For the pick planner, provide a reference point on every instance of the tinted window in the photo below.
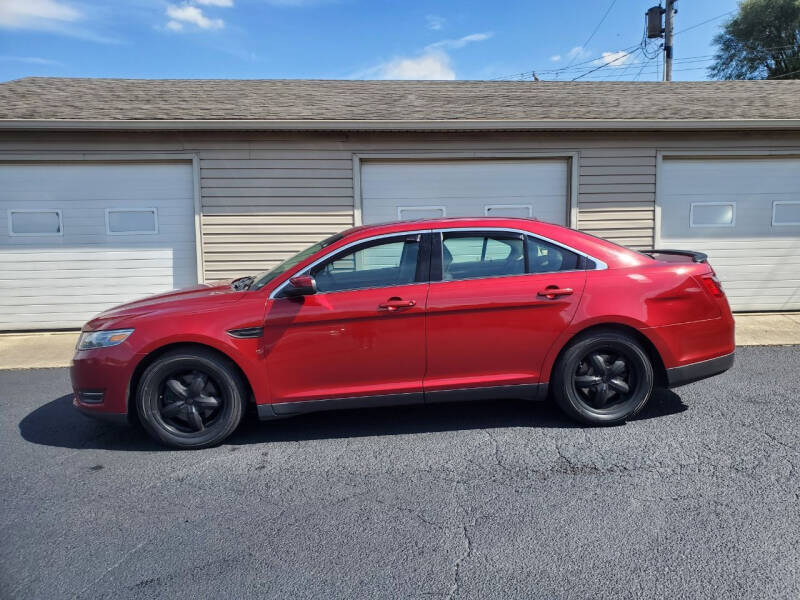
(482, 255)
(383, 263)
(544, 257)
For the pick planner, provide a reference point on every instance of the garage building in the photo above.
(115, 189)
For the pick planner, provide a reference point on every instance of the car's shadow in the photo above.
(57, 423)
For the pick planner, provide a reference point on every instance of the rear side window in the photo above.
(382, 263)
(544, 257)
(471, 256)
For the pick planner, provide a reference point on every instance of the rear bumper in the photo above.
(682, 375)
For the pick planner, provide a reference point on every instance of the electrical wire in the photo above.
(730, 12)
(602, 20)
(607, 64)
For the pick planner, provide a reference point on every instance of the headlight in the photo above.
(102, 339)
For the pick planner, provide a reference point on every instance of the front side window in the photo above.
(544, 257)
(379, 263)
(474, 255)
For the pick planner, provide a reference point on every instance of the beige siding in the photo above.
(265, 196)
(616, 198)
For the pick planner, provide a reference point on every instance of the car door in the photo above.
(496, 304)
(362, 335)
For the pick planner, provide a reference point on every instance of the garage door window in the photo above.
(508, 210)
(35, 222)
(131, 221)
(407, 213)
(786, 212)
(712, 214)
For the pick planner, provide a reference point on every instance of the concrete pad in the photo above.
(767, 329)
(37, 350)
(55, 349)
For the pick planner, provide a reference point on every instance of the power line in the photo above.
(785, 74)
(609, 63)
(730, 12)
(586, 43)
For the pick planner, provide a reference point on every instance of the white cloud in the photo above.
(462, 41)
(435, 22)
(577, 52)
(31, 60)
(432, 63)
(614, 59)
(36, 14)
(181, 15)
(555, 57)
(225, 3)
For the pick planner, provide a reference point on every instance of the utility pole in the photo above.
(656, 30)
(669, 14)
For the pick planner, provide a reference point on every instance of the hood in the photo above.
(195, 299)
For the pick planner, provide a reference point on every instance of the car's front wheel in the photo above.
(191, 398)
(603, 378)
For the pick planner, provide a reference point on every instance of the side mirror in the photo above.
(302, 285)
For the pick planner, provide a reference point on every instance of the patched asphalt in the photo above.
(699, 497)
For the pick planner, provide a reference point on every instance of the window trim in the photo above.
(12, 233)
(528, 206)
(599, 264)
(789, 223)
(474, 232)
(135, 209)
(338, 252)
(402, 208)
(693, 225)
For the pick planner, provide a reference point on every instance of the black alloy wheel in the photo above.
(603, 378)
(191, 398)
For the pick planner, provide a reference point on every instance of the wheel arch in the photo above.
(659, 370)
(152, 356)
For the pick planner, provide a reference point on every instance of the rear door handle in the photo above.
(392, 304)
(551, 292)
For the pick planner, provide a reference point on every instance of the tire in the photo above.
(591, 376)
(191, 398)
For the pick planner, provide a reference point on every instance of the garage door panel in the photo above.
(464, 188)
(757, 261)
(63, 280)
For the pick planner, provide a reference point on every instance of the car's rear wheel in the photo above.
(603, 378)
(191, 398)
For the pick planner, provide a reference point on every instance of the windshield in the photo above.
(264, 278)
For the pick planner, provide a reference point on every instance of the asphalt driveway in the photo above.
(699, 497)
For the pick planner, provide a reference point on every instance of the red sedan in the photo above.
(411, 312)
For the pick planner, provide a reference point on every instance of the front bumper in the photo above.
(100, 380)
(682, 375)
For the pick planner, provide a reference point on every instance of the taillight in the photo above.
(713, 285)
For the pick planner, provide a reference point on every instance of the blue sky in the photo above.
(367, 39)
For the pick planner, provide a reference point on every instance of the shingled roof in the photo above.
(316, 104)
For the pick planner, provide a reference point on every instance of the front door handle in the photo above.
(392, 304)
(553, 291)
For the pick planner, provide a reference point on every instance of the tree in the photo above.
(761, 42)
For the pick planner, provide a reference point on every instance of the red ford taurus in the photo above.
(412, 312)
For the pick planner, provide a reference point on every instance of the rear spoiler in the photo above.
(697, 257)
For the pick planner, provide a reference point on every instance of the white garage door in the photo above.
(429, 189)
(745, 214)
(76, 239)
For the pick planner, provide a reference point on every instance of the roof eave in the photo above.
(394, 125)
